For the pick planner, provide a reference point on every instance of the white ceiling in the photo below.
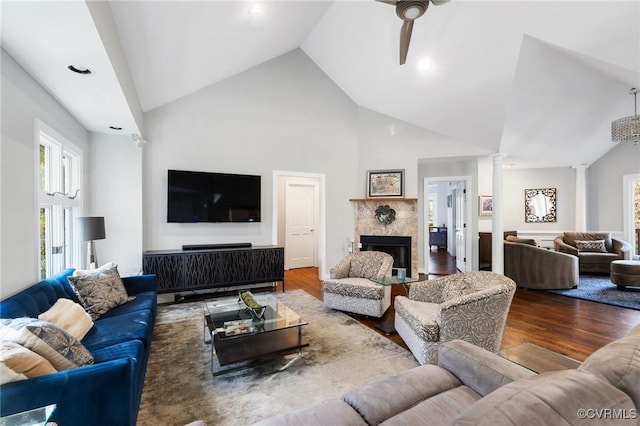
(540, 81)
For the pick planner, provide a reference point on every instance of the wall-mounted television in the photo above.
(212, 197)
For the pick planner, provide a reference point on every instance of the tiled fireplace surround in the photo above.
(405, 224)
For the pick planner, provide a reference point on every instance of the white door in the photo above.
(460, 226)
(301, 206)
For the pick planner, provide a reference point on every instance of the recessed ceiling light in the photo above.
(115, 128)
(426, 65)
(79, 70)
(256, 9)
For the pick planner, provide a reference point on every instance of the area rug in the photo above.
(599, 288)
(179, 387)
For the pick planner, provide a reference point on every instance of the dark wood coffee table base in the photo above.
(537, 358)
(256, 346)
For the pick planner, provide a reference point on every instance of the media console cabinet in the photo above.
(199, 269)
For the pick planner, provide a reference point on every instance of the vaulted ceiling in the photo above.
(540, 81)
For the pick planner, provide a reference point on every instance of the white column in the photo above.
(581, 198)
(497, 222)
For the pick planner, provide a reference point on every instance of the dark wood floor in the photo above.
(562, 324)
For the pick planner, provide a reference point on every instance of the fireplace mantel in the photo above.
(406, 223)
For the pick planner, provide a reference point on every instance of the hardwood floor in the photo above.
(572, 327)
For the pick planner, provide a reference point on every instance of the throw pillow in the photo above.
(69, 316)
(7, 375)
(514, 239)
(595, 246)
(54, 344)
(99, 290)
(10, 326)
(19, 363)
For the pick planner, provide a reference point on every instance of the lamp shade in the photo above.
(91, 228)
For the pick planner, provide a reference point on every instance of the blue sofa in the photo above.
(107, 392)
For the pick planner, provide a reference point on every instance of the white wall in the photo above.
(388, 143)
(24, 101)
(515, 181)
(284, 114)
(116, 194)
(443, 168)
(604, 183)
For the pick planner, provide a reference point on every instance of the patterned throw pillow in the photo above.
(595, 246)
(20, 363)
(54, 344)
(99, 290)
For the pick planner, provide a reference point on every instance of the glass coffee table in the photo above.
(395, 281)
(236, 335)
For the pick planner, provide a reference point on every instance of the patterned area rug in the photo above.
(179, 387)
(598, 288)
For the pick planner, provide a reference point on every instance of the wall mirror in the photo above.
(540, 205)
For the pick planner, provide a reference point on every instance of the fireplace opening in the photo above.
(398, 247)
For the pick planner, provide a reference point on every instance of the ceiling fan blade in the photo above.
(405, 39)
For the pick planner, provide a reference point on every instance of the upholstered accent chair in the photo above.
(470, 306)
(538, 268)
(350, 289)
(595, 250)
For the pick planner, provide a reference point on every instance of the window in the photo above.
(59, 172)
(432, 209)
(636, 208)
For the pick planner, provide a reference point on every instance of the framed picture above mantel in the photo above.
(385, 183)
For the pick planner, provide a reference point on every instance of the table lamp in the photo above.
(91, 228)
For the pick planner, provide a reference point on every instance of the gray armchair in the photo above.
(538, 268)
(593, 259)
(350, 289)
(470, 306)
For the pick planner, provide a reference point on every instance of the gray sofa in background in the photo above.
(538, 268)
(593, 261)
(472, 386)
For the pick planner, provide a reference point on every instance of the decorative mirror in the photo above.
(540, 205)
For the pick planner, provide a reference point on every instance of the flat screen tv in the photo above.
(212, 197)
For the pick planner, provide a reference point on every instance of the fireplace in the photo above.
(398, 247)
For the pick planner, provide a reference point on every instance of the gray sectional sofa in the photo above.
(472, 386)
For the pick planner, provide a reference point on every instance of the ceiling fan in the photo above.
(409, 11)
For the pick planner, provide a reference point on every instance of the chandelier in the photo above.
(627, 129)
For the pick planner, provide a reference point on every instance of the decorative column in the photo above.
(497, 222)
(581, 198)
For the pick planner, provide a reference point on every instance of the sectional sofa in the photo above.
(473, 386)
(108, 392)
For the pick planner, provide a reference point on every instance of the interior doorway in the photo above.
(299, 218)
(301, 212)
(446, 206)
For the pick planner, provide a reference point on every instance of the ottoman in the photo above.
(625, 273)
